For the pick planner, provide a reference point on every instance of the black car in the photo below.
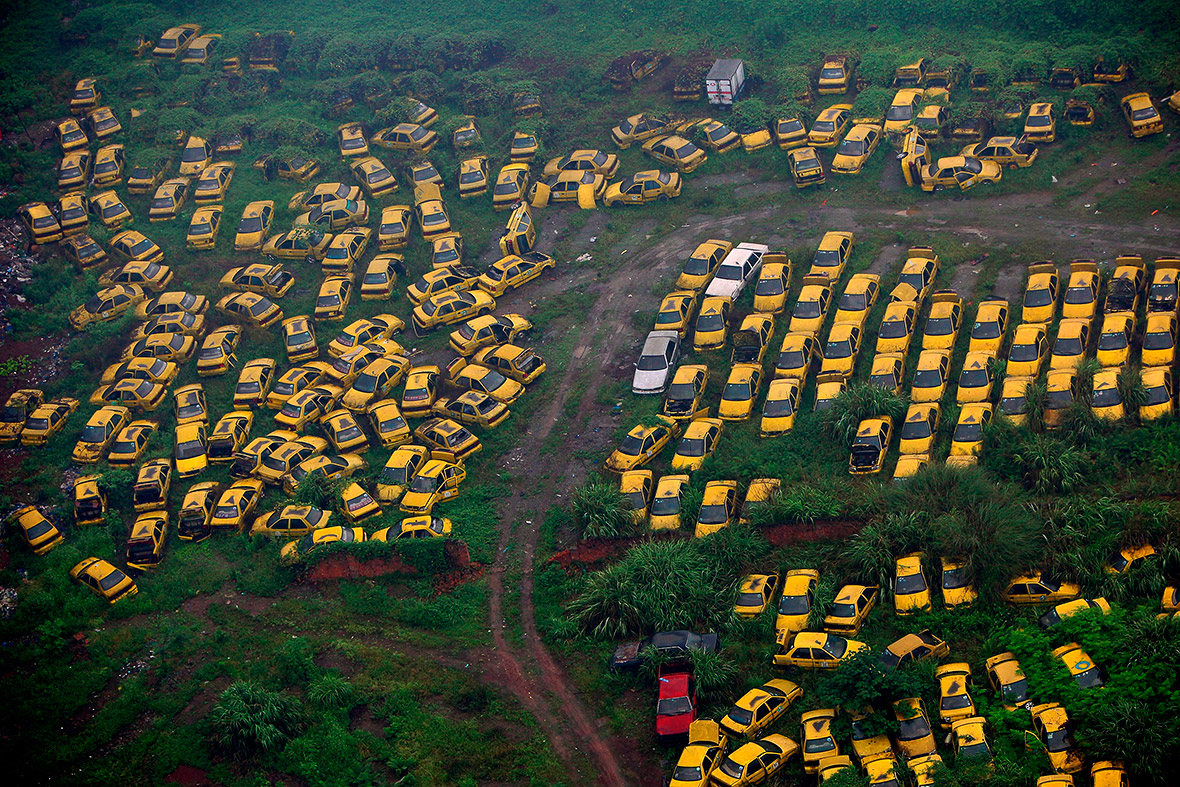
(676, 644)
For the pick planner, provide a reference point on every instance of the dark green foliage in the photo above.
(667, 585)
(601, 511)
(861, 682)
(857, 402)
(872, 102)
(1048, 465)
(796, 504)
(248, 720)
(750, 115)
(877, 66)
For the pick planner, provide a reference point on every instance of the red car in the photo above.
(677, 705)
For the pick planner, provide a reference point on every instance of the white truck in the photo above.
(725, 80)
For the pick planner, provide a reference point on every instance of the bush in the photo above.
(878, 66)
(602, 511)
(750, 115)
(872, 102)
(248, 720)
(798, 504)
(858, 402)
(1048, 465)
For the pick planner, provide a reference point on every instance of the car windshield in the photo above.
(666, 506)
(954, 578)
(832, 73)
(893, 329)
(955, 702)
(1158, 395)
(806, 310)
(425, 483)
(696, 266)
(842, 610)
(1089, 679)
(710, 322)
(927, 378)
(730, 272)
(1057, 400)
(1106, 397)
(692, 447)
(986, 330)
(1016, 691)
(912, 583)
(968, 432)
(1118, 341)
(713, 514)
(1147, 113)
(211, 353)
(778, 408)
(854, 301)
(939, 326)
(90, 433)
(732, 769)
(973, 378)
(737, 392)
(772, 286)
(851, 147)
(1157, 340)
(900, 112)
(838, 349)
(1067, 345)
(190, 449)
(916, 430)
(913, 729)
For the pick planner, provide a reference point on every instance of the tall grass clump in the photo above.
(249, 719)
(601, 511)
(858, 402)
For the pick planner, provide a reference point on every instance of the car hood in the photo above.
(655, 381)
(674, 725)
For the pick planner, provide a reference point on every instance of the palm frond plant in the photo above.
(1050, 465)
(249, 719)
(602, 511)
(858, 402)
(877, 546)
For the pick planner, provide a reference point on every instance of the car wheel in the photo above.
(662, 198)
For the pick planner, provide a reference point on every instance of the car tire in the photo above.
(662, 198)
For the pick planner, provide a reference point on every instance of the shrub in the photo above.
(858, 402)
(878, 66)
(872, 102)
(798, 504)
(248, 719)
(875, 548)
(602, 511)
(1048, 465)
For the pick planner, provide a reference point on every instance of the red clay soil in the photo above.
(345, 566)
(189, 776)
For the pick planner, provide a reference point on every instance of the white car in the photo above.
(738, 269)
(661, 351)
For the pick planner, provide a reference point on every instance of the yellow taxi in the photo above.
(345, 250)
(1141, 114)
(829, 125)
(855, 149)
(755, 595)
(637, 128)
(1118, 330)
(196, 156)
(1106, 401)
(523, 147)
(333, 298)
(1081, 667)
(236, 504)
(473, 177)
(1159, 339)
(740, 392)
(299, 339)
(666, 504)
(806, 167)
(374, 177)
(782, 404)
(451, 307)
(514, 362)
(719, 507)
(99, 432)
(109, 209)
(82, 250)
(269, 279)
(448, 441)
(755, 762)
(512, 182)
(850, 609)
(827, 388)
(107, 304)
(1159, 399)
(192, 454)
(411, 137)
(103, 123)
(796, 356)
(252, 229)
(835, 75)
(902, 110)
(794, 608)
(231, 432)
(818, 740)
(86, 95)
(1005, 151)
(40, 223)
(350, 138)
(335, 215)
(202, 228)
(1051, 722)
(70, 135)
(920, 428)
(422, 384)
(812, 305)
(437, 481)
(712, 324)
(1081, 292)
(815, 650)
(254, 383)
(291, 520)
(343, 431)
(73, 219)
(380, 276)
(103, 579)
(676, 312)
(39, 532)
(832, 255)
(636, 487)
(1030, 348)
(897, 327)
(514, 271)
(642, 444)
(931, 376)
(1069, 348)
(702, 264)
(108, 166)
(841, 350)
(189, 404)
(770, 291)
(857, 301)
(175, 40)
(394, 478)
(955, 701)
(675, 151)
(959, 172)
(213, 183)
(1041, 123)
(911, 593)
(251, 308)
(133, 393)
(976, 379)
(1038, 588)
(888, 372)
(697, 444)
(152, 483)
(943, 322)
(914, 735)
(967, 439)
